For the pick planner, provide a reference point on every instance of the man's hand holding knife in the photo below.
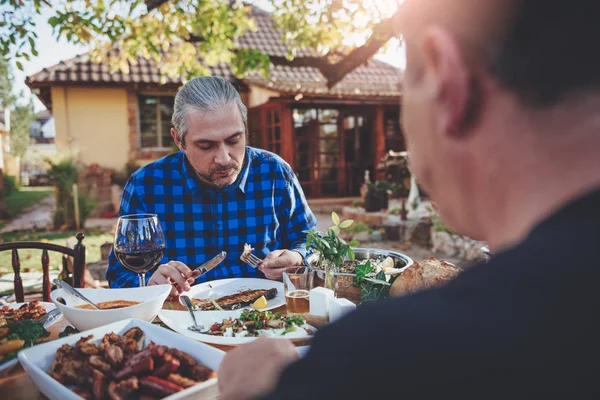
(180, 275)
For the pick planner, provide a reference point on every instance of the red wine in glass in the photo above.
(140, 259)
(139, 243)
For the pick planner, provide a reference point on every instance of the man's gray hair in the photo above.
(204, 93)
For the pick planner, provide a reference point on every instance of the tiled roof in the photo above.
(375, 78)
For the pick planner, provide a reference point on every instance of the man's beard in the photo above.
(214, 180)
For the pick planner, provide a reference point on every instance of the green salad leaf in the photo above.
(290, 328)
(27, 330)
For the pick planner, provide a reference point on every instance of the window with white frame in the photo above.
(155, 121)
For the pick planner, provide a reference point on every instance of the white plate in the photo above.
(226, 287)
(179, 321)
(37, 361)
(6, 367)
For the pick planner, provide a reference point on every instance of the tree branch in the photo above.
(382, 33)
(152, 4)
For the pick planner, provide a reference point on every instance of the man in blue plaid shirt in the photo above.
(216, 194)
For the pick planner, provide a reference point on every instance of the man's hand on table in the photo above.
(239, 377)
(276, 260)
(174, 273)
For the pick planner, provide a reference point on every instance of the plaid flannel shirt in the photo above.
(265, 208)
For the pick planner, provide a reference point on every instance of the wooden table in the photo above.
(18, 386)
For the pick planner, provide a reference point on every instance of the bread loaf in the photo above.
(423, 275)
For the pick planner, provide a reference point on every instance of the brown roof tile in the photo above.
(375, 78)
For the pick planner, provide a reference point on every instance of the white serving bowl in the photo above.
(151, 300)
(36, 361)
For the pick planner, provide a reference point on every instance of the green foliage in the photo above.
(439, 226)
(374, 289)
(7, 97)
(21, 118)
(330, 245)
(179, 32)
(358, 203)
(358, 227)
(64, 174)
(362, 270)
(383, 186)
(10, 185)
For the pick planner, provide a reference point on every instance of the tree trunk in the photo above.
(3, 209)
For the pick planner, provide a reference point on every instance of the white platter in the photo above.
(179, 321)
(6, 367)
(37, 361)
(225, 287)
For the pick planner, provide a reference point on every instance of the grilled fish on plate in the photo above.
(235, 301)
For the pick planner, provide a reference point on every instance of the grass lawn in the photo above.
(18, 201)
(31, 259)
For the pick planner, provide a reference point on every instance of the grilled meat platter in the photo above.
(235, 301)
(120, 368)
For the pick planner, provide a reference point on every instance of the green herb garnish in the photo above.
(290, 328)
(27, 330)
(295, 320)
(69, 330)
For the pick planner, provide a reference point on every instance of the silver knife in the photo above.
(210, 264)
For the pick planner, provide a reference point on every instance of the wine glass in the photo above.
(139, 243)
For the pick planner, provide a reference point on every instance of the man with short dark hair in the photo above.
(501, 110)
(217, 193)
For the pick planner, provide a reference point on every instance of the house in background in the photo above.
(328, 136)
(33, 167)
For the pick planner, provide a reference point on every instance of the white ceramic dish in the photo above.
(226, 287)
(179, 321)
(151, 300)
(6, 367)
(37, 361)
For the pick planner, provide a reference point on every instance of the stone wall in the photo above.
(456, 246)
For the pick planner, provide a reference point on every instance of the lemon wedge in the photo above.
(260, 303)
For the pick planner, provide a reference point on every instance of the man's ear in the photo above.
(178, 141)
(448, 75)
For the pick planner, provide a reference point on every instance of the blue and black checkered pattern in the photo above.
(265, 208)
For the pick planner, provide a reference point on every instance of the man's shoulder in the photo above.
(166, 167)
(264, 161)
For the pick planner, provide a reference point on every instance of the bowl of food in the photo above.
(116, 305)
(390, 262)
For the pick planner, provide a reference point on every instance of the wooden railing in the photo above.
(77, 252)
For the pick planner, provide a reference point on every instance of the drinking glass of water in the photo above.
(139, 243)
(297, 283)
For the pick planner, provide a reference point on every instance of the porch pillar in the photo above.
(379, 130)
(288, 141)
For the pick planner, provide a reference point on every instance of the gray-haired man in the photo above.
(216, 194)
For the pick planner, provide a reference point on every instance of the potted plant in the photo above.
(332, 249)
(376, 198)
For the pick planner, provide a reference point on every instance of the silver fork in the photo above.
(251, 260)
(190, 307)
(49, 316)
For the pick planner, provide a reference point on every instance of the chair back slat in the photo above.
(46, 278)
(18, 282)
(77, 252)
(79, 263)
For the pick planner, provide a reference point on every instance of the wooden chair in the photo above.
(77, 252)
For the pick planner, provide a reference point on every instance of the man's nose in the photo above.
(222, 157)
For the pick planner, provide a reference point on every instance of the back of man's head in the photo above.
(550, 50)
(500, 107)
(542, 50)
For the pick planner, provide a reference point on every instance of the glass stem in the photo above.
(142, 278)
